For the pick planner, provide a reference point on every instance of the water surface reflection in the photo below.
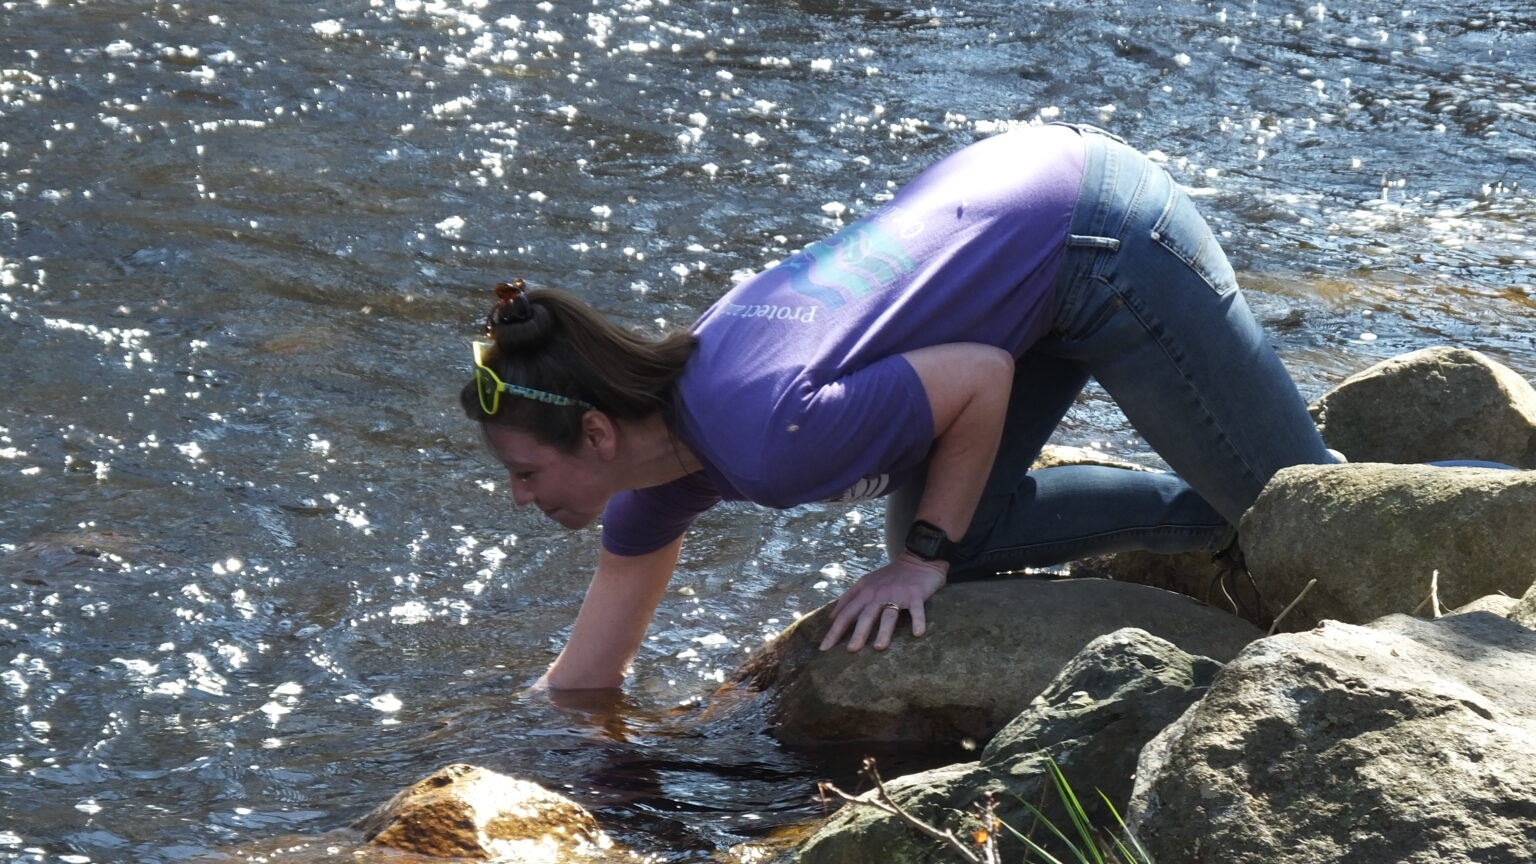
(257, 574)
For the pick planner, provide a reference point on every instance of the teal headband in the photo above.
(490, 387)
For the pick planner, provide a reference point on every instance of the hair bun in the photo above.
(518, 323)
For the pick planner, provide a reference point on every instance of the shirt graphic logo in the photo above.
(864, 490)
(853, 263)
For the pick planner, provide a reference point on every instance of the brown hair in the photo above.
(551, 341)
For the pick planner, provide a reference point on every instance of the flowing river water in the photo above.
(256, 573)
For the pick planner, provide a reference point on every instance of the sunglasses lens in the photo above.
(490, 389)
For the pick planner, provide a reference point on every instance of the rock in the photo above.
(1195, 574)
(1092, 719)
(1373, 536)
(1498, 604)
(462, 811)
(1431, 405)
(1524, 610)
(991, 647)
(1055, 455)
(860, 833)
(1407, 741)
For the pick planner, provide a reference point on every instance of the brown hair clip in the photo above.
(512, 304)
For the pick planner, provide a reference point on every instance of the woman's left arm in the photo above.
(968, 387)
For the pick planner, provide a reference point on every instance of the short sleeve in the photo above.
(641, 521)
(858, 428)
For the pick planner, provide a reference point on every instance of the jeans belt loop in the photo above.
(1091, 129)
(1110, 244)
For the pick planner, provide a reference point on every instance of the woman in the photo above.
(926, 352)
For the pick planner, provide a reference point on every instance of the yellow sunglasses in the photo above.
(490, 387)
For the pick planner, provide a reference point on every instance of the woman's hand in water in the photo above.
(874, 604)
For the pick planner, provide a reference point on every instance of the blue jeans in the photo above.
(1148, 305)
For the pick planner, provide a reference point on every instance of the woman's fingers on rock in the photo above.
(919, 618)
(888, 619)
(866, 622)
(835, 632)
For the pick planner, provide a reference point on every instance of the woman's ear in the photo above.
(599, 432)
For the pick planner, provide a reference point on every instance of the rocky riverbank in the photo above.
(1386, 715)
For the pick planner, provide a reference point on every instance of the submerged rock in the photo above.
(1431, 405)
(1092, 719)
(463, 811)
(1375, 536)
(992, 646)
(1407, 741)
(72, 555)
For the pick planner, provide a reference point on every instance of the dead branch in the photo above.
(1433, 600)
(1274, 626)
(883, 802)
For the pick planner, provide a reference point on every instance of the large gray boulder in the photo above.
(1374, 536)
(1408, 741)
(1432, 405)
(1093, 719)
(991, 647)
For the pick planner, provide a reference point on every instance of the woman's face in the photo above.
(569, 487)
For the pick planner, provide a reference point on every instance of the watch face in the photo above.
(925, 540)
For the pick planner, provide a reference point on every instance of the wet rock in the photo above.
(463, 811)
(992, 646)
(71, 555)
(1092, 719)
(299, 341)
(1407, 741)
(1432, 405)
(1375, 536)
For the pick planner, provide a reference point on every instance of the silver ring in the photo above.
(892, 606)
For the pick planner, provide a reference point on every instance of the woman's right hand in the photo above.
(613, 619)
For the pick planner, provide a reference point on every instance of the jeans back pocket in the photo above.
(1185, 233)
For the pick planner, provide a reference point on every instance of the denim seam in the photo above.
(1109, 179)
(1155, 332)
(1100, 317)
(1157, 237)
(1136, 198)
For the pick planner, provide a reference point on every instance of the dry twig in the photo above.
(1274, 626)
(1433, 600)
(883, 802)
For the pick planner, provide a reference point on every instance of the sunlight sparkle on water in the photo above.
(625, 111)
(412, 612)
(387, 703)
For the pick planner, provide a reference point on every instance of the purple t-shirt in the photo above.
(797, 391)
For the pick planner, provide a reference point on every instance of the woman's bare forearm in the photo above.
(613, 620)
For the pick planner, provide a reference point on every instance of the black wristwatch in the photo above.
(929, 542)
